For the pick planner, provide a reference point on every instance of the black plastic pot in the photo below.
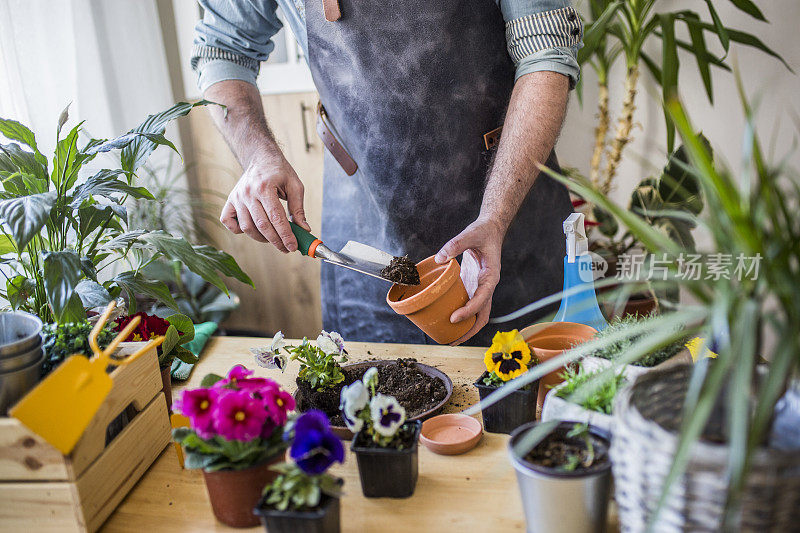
(323, 519)
(388, 472)
(508, 414)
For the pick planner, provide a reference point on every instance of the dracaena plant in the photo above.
(623, 30)
(752, 213)
(65, 244)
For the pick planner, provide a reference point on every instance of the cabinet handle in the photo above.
(303, 109)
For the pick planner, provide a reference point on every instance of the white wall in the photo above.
(763, 76)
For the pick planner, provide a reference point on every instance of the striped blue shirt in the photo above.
(234, 37)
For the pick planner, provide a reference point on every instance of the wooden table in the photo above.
(476, 491)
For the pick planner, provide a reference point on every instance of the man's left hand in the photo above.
(481, 243)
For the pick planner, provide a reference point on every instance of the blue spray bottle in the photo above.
(580, 307)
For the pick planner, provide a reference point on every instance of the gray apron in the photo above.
(412, 87)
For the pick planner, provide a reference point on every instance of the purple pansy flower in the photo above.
(315, 447)
(387, 414)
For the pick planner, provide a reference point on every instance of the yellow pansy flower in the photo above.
(509, 355)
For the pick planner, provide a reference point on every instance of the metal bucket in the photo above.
(16, 383)
(562, 501)
(14, 362)
(19, 332)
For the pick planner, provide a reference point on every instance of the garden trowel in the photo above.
(61, 406)
(354, 255)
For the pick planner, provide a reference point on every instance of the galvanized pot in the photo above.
(19, 332)
(554, 500)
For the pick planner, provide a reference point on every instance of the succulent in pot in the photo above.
(177, 330)
(385, 444)
(320, 378)
(235, 436)
(305, 497)
(509, 356)
(564, 475)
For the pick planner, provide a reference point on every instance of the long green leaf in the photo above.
(14, 159)
(16, 131)
(750, 8)
(701, 55)
(135, 283)
(27, 215)
(223, 262)
(669, 70)
(62, 272)
(106, 184)
(595, 31)
(718, 27)
(750, 40)
(65, 165)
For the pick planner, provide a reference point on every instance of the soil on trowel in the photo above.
(416, 391)
(401, 270)
(560, 452)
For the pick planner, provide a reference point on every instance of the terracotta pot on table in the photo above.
(549, 339)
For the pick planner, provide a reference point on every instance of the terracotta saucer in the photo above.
(450, 434)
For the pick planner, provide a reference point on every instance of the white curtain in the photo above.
(106, 57)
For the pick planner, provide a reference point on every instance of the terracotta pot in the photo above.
(234, 493)
(550, 339)
(166, 383)
(430, 304)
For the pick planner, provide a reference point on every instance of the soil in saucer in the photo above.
(571, 454)
(416, 391)
(401, 270)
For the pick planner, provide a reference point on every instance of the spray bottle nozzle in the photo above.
(577, 243)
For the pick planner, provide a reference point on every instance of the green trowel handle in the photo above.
(306, 242)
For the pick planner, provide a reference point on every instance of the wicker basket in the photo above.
(644, 443)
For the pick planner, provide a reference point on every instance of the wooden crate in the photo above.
(43, 490)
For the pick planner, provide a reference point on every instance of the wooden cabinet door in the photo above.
(287, 286)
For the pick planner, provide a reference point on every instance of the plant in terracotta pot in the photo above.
(564, 476)
(235, 436)
(304, 497)
(386, 446)
(177, 330)
(509, 356)
(589, 405)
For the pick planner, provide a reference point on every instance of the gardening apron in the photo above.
(411, 88)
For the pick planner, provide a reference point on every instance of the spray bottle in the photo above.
(581, 306)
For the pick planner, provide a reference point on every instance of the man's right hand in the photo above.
(254, 206)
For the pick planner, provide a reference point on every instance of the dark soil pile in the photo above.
(557, 451)
(401, 270)
(416, 391)
(404, 439)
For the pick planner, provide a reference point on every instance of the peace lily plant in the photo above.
(65, 244)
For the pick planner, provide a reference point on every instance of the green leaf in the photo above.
(18, 290)
(595, 31)
(62, 272)
(92, 294)
(7, 245)
(183, 324)
(16, 131)
(27, 215)
(106, 184)
(608, 224)
(185, 355)
(669, 71)
(171, 339)
(749, 40)
(701, 55)
(719, 28)
(92, 216)
(14, 159)
(750, 8)
(223, 262)
(178, 249)
(124, 241)
(134, 284)
(139, 149)
(65, 165)
(210, 379)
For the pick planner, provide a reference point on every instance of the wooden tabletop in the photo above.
(476, 491)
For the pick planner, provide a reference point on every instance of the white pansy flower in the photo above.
(370, 378)
(354, 398)
(272, 357)
(387, 414)
(331, 343)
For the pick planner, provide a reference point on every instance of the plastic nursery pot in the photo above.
(549, 339)
(430, 304)
(388, 472)
(166, 385)
(234, 493)
(555, 500)
(323, 519)
(512, 411)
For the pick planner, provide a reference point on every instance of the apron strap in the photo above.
(332, 11)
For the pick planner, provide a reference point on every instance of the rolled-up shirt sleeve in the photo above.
(232, 39)
(543, 35)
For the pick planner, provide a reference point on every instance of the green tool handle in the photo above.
(304, 238)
